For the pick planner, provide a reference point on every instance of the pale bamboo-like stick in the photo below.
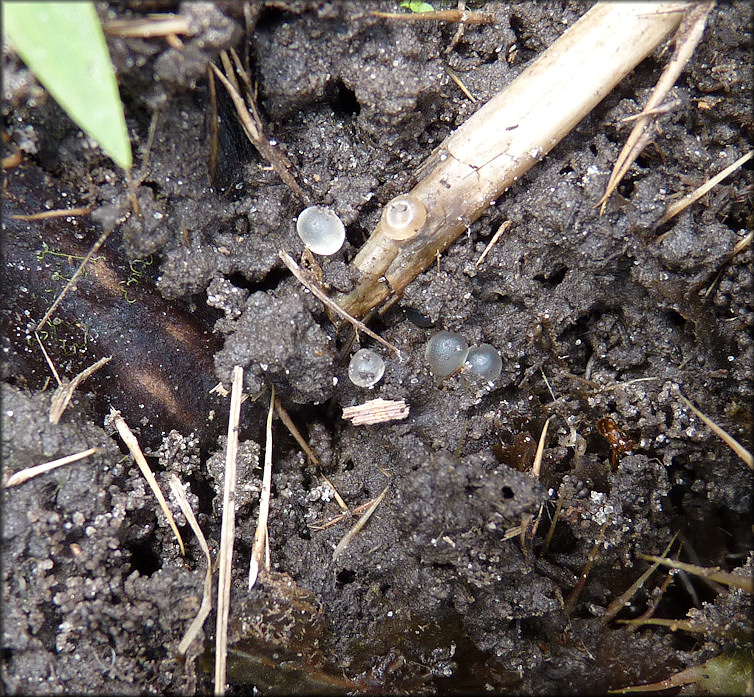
(510, 134)
(227, 533)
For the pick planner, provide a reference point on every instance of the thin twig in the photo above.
(576, 592)
(62, 396)
(295, 269)
(114, 418)
(196, 625)
(729, 440)
(687, 38)
(59, 213)
(260, 536)
(252, 126)
(619, 603)
(540, 449)
(452, 74)
(25, 474)
(358, 526)
(675, 208)
(95, 248)
(288, 423)
(493, 241)
(745, 583)
(227, 533)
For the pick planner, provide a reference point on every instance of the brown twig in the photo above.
(675, 208)
(115, 419)
(251, 121)
(58, 213)
(687, 38)
(296, 270)
(358, 526)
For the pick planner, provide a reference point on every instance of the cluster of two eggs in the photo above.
(323, 232)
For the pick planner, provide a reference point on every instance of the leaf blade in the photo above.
(64, 46)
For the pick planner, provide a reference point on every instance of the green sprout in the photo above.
(63, 45)
(416, 6)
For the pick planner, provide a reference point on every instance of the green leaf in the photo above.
(416, 6)
(63, 45)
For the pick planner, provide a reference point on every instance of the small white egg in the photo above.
(321, 230)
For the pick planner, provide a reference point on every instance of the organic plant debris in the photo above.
(454, 584)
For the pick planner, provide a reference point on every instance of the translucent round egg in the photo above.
(445, 353)
(321, 230)
(366, 368)
(403, 217)
(484, 360)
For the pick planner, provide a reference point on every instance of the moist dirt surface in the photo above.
(472, 574)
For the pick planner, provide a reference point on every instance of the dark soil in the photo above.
(593, 317)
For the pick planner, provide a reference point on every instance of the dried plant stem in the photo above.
(61, 398)
(675, 208)
(510, 134)
(745, 583)
(227, 533)
(95, 248)
(206, 606)
(619, 603)
(295, 269)
(688, 37)
(25, 474)
(251, 121)
(60, 213)
(260, 536)
(115, 419)
(358, 526)
(729, 440)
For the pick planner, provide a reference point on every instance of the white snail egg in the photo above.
(484, 360)
(403, 217)
(321, 230)
(366, 368)
(445, 353)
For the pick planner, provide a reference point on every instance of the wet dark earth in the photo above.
(472, 574)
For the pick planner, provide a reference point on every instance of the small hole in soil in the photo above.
(675, 319)
(144, 559)
(508, 492)
(344, 100)
(345, 577)
(626, 189)
(554, 279)
(348, 466)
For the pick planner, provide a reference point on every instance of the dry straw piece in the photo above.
(507, 136)
(132, 444)
(228, 528)
(376, 411)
